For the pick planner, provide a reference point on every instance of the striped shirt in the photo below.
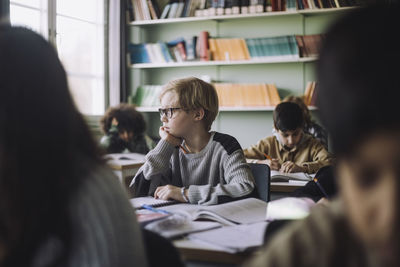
(218, 173)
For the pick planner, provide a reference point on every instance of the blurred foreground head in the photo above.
(358, 100)
(45, 146)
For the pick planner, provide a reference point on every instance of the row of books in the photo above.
(164, 9)
(317, 4)
(310, 93)
(225, 49)
(247, 95)
(229, 95)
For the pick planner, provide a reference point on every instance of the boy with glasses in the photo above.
(191, 163)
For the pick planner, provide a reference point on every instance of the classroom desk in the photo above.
(196, 252)
(125, 169)
(285, 187)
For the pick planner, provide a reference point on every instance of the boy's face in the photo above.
(369, 181)
(179, 123)
(290, 138)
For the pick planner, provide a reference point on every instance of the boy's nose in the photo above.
(164, 118)
(290, 140)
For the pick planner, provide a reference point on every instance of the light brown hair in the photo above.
(194, 93)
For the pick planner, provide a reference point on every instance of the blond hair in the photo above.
(194, 93)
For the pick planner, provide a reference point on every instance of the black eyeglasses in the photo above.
(168, 112)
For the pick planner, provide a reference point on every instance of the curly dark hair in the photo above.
(129, 119)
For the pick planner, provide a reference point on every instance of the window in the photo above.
(77, 30)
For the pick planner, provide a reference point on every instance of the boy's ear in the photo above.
(199, 114)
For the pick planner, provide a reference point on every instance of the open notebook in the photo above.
(138, 202)
(277, 176)
(244, 211)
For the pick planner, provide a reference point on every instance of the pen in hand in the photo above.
(267, 157)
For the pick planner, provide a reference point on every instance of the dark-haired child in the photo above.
(289, 149)
(124, 129)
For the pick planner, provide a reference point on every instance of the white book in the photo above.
(172, 10)
(277, 176)
(244, 211)
(179, 10)
(289, 208)
(164, 14)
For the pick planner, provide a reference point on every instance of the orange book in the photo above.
(268, 99)
(307, 93)
(213, 49)
(273, 91)
(244, 49)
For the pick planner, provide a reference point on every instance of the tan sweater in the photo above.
(323, 239)
(309, 153)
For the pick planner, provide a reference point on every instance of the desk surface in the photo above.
(191, 251)
(285, 187)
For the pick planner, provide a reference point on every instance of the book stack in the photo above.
(143, 9)
(317, 4)
(310, 94)
(168, 9)
(226, 49)
(146, 96)
(247, 95)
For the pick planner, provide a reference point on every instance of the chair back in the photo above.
(262, 177)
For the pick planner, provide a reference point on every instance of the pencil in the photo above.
(321, 188)
(148, 207)
(183, 149)
(268, 157)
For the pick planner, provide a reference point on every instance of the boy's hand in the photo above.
(165, 135)
(273, 163)
(169, 192)
(290, 166)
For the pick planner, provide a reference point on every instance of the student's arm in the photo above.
(157, 165)
(320, 158)
(258, 151)
(239, 182)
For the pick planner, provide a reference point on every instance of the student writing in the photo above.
(213, 170)
(290, 148)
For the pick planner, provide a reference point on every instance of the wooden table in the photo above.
(191, 251)
(125, 166)
(286, 187)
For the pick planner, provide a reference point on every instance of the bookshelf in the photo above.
(247, 124)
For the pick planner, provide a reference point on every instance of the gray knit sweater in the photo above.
(217, 174)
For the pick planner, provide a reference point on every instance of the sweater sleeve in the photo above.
(320, 158)
(257, 151)
(157, 161)
(239, 183)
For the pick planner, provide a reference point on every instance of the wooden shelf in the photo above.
(239, 16)
(224, 109)
(272, 60)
